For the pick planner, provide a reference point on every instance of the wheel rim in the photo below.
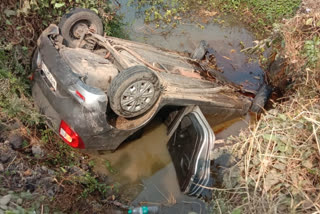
(137, 96)
(82, 27)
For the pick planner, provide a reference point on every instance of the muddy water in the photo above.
(143, 167)
(225, 40)
(137, 159)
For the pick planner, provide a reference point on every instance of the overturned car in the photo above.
(98, 91)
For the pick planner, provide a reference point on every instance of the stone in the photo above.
(51, 172)
(19, 201)
(16, 125)
(16, 141)
(5, 199)
(77, 171)
(1, 167)
(44, 168)
(6, 152)
(4, 207)
(4, 157)
(37, 150)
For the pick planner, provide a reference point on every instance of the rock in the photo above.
(37, 151)
(4, 158)
(16, 141)
(1, 211)
(16, 125)
(44, 168)
(6, 152)
(200, 51)
(1, 167)
(4, 207)
(77, 171)
(46, 182)
(19, 201)
(51, 172)
(53, 190)
(5, 199)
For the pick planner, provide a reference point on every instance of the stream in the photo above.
(142, 168)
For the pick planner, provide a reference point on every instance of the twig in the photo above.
(218, 206)
(11, 162)
(133, 53)
(316, 137)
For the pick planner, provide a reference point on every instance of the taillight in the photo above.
(80, 95)
(69, 136)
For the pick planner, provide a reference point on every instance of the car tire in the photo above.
(261, 98)
(127, 87)
(77, 17)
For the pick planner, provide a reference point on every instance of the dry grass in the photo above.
(279, 161)
(278, 167)
(296, 32)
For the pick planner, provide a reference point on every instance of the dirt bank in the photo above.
(277, 167)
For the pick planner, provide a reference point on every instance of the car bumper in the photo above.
(87, 120)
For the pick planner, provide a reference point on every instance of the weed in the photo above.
(109, 167)
(260, 14)
(91, 163)
(14, 93)
(93, 185)
(277, 171)
(311, 51)
(172, 12)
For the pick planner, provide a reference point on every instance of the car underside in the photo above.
(97, 91)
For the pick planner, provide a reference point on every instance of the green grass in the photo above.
(258, 14)
(15, 87)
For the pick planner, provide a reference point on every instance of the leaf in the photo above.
(283, 117)
(95, 10)
(307, 163)
(236, 211)
(9, 12)
(281, 147)
(279, 166)
(271, 179)
(268, 137)
(309, 21)
(109, 167)
(58, 5)
(8, 22)
(26, 7)
(63, 170)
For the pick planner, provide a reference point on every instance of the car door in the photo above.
(191, 140)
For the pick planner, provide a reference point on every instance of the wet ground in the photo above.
(143, 167)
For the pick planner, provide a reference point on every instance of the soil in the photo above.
(33, 180)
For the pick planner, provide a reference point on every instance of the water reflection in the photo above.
(237, 66)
